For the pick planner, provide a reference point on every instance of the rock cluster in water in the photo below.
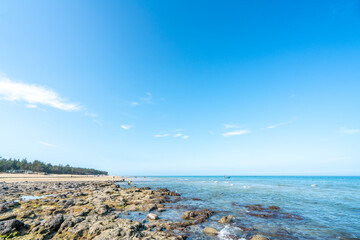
(90, 210)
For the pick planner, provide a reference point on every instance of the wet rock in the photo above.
(188, 215)
(211, 231)
(246, 229)
(256, 207)
(259, 237)
(199, 216)
(262, 215)
(152, 216)
(274, 208)
(227, 219)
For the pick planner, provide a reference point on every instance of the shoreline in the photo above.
(21, 177)
(99, 210)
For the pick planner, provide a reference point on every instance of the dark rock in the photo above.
(274, 208)
(9, 226)
(53, 224)
(256, 207)
(196, 199)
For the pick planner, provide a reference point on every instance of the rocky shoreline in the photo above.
(95, 210)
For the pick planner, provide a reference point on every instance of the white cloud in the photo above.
(30, 106)
(349, 131)
(230, 126)
(162, 135)
(175, 133)
(33, 94)
(46, 144)
(126, 127)
(235, 133)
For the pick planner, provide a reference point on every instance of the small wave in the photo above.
(246, 187)
(215, 181)
(226, 182)
(228, 233)
(313, 185)
(231, 184)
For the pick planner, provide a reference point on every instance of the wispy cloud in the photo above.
(349, 131)
(90, 114)
(236, 133)
(98, 122)
(33, 95)
(147, 99)
(143, 100)
(175, 133)
(279, 124)
(162, 135)
(126, 127)
(46, 144)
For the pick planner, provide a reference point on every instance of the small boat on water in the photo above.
(226, 177)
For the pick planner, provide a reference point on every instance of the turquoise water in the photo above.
(311, 207)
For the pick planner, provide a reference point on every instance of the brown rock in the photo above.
(227, 219)
(259, 237)
(211, 231)
(274, 208)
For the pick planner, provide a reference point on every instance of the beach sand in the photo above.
(20, 177)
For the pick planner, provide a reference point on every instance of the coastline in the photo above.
(20, 177)
(97, 210)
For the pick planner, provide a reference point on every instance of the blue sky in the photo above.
(183, 87)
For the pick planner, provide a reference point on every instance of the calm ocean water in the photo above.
(311, 207)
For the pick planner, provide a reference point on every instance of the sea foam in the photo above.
(228, 233)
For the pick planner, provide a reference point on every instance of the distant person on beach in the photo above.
(129, 183)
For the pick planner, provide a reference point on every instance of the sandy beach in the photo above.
(19, 177)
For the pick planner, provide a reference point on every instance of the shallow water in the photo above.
(27, 198)
(311, 207)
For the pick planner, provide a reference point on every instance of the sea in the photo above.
(310, 207)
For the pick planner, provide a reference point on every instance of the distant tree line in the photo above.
(37, 166)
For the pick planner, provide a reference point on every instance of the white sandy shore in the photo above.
(19, 177)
